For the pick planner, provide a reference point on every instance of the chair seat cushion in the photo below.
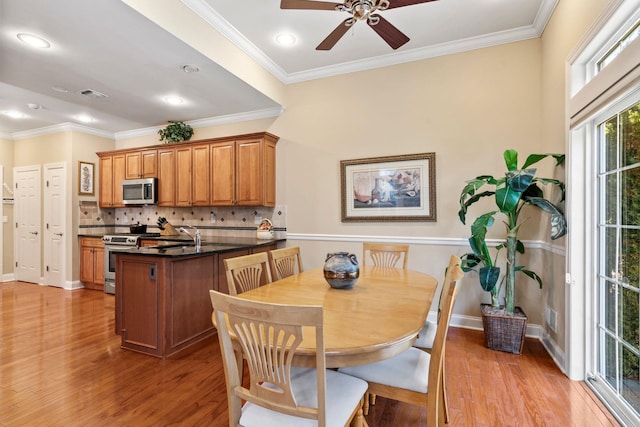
(427, 335)
(408, 370)
(343, 395)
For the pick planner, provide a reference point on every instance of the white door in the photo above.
(54, 224)
(27, 215)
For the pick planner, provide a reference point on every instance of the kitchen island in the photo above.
(162, 292)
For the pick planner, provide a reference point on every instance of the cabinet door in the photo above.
(106, 182)
(86, 264)
(166, 177)
(183, 177)
(133, 169)
(98, 266)
(269, 181)
(200, 177)
(249, 173)
(149, 163)
(223, 167)
(140, 301)
(118, 176)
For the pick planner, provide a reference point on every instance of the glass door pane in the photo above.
(619, 261)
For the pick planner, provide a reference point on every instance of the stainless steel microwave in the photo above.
(140, 191)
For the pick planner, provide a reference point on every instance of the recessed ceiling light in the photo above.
(173, 100)
(189, 68)
(35, 106)
(33, 40)
(14, 114)
(285, 39)
(60, 89)
(84, 118)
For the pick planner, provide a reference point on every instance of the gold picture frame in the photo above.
(86, 178)
(393, 188)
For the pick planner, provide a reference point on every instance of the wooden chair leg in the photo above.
(445, 404)
(365, 406)
(359, 420)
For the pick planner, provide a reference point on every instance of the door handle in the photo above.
(57, 234)
(33, 232)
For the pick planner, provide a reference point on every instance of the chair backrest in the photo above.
(285, 262)
(247, 272)
(436, 366)
(269, 335)
(385, 254)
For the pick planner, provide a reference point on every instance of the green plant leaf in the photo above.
(520, 180)
(511, 159)
(469, 261)
(507, 199)
(555, 182)
(489, 277)
(558, 221)
(533, 276)
(462, 213)
(535, 158)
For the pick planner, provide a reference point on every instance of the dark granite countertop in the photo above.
(182, 248)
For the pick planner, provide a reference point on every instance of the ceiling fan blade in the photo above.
(308, 4)
(401, 3)
(389, 33)
(335, 35)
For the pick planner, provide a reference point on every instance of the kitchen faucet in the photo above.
(195, 238)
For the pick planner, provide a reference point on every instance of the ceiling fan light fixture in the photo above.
(33, 40)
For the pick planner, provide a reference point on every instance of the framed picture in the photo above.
(395, 188)
(86, 183)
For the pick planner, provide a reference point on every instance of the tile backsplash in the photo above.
(227, 221)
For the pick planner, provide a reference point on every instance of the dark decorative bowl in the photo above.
(138, 229)
(341, 270)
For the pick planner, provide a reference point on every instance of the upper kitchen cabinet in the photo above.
(112, 173)
(167, 177)
(141, 164)
(244, 171)
(192, 179)
(231, 171)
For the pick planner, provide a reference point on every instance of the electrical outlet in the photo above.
(213, 218)
(257, 220)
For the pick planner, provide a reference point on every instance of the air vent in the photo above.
(93, 94)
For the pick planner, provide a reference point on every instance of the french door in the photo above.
(618, 284)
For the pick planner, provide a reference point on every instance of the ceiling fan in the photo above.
(359, 10)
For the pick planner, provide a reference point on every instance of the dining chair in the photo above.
(247, 272)
(285, 262)
(279, 393)
(385, 254)
(415, 376)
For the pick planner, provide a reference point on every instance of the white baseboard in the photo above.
(10, 277)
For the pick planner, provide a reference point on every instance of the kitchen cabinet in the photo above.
(162, 303)
(230, 171)
(92, 263)
(167, 177)
(141, 164)
(243, 172)
(112, 173)
(192, 181)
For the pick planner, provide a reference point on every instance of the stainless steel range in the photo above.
(112, 242)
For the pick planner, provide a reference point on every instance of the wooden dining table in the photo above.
(376, 319)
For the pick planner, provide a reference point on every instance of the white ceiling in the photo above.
(107, 46)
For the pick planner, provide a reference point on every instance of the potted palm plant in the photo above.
(505, 325)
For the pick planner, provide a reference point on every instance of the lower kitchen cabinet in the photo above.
(92, 263)
(163, 304)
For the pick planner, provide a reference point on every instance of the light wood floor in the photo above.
(61, 365)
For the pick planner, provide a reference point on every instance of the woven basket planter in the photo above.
(504, 331)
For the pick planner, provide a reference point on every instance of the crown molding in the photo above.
(62, 127)
(211, 121)
(4, 135)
